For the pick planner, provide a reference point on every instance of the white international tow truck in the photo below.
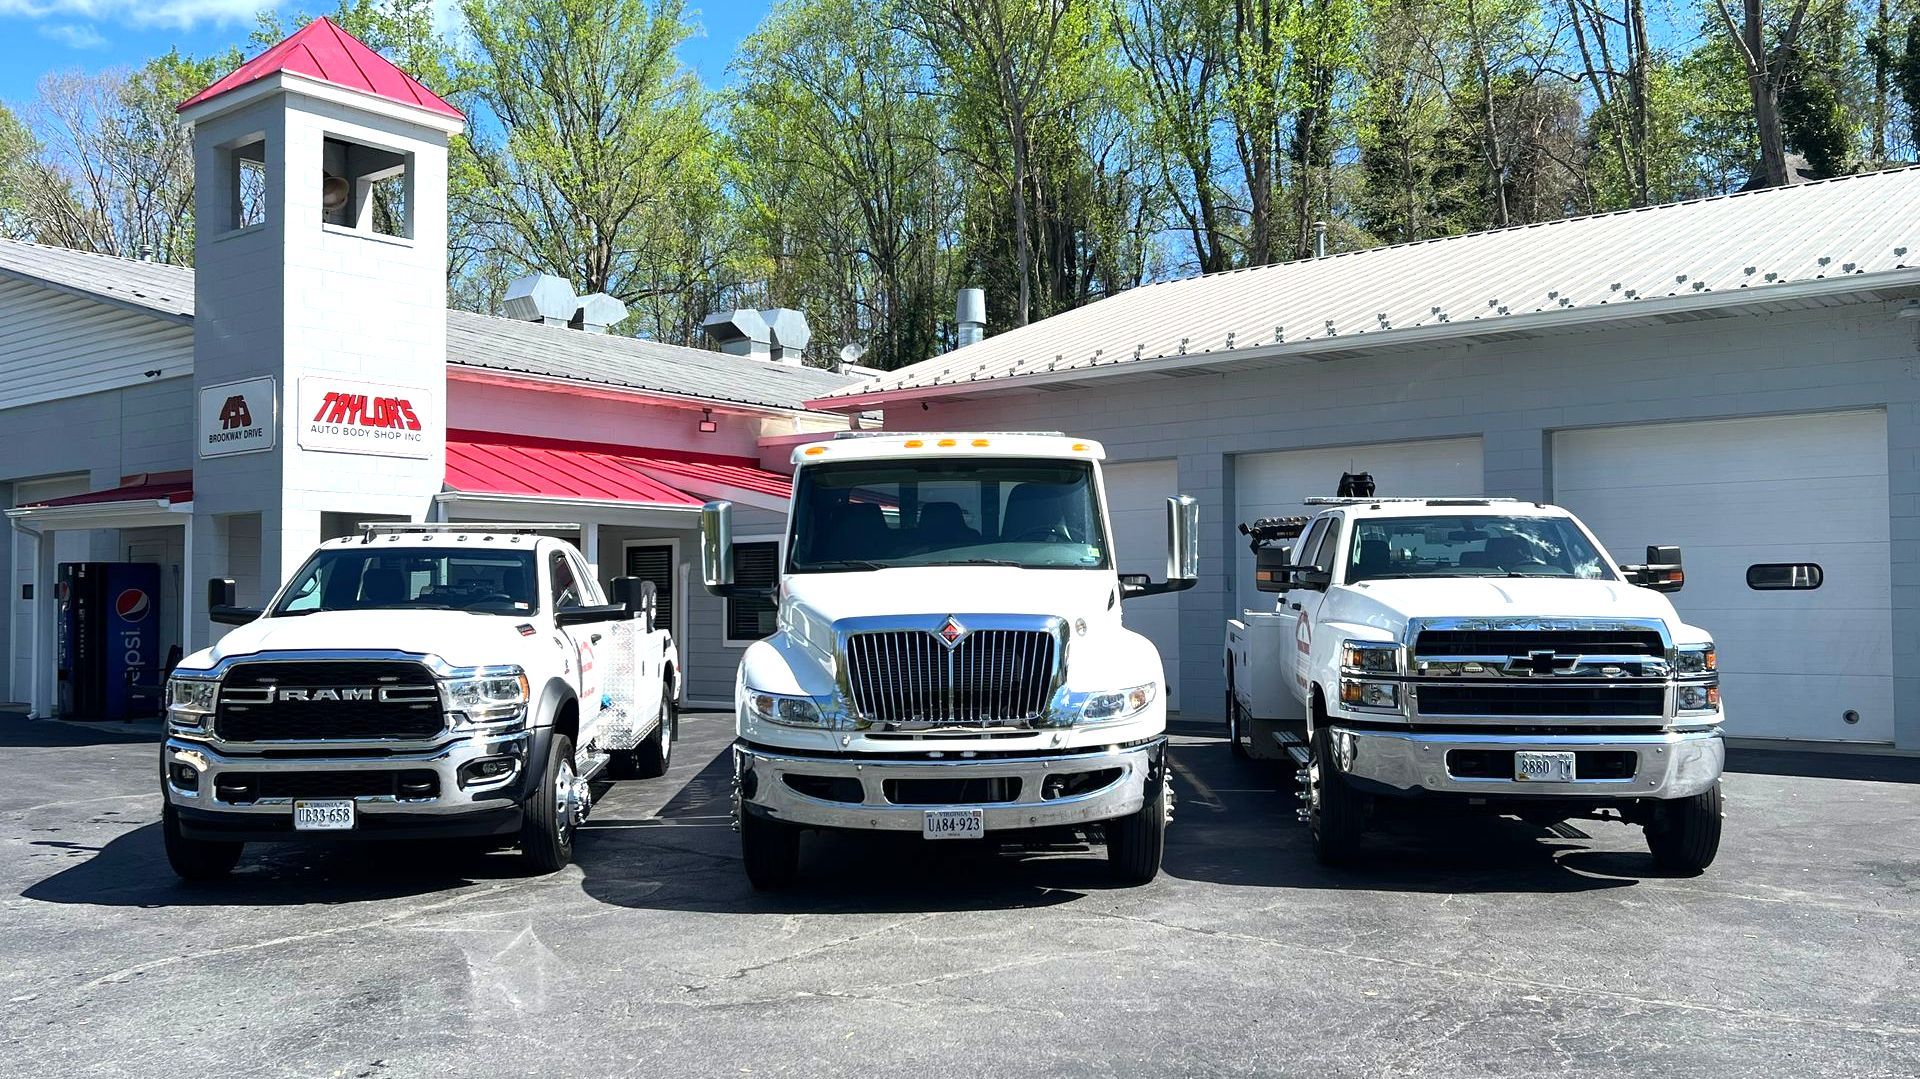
(417, 682)
(950, 660)
(1480, 655)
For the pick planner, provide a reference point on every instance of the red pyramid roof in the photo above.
(320, 50)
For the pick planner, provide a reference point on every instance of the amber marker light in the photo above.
(815, 451)
(914, 443)
(948, 442)
(979, 441)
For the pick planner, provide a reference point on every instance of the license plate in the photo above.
(1531, 767)
(954, 824)
(328, 816)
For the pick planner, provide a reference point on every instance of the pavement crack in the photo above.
(805, 953)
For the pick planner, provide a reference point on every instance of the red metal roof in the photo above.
(320, 50)
(490, 463)
(170, 487)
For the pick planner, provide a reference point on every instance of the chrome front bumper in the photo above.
(445, 759)
(1668, 764)
(761, 776)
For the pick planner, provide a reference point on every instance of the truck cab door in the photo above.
(1303, 601)
(579, 643)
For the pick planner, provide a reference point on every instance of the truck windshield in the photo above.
(861, 515)
(1484, 546)
(420, 578)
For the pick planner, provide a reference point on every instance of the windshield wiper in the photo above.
(836, 564)
(979, 562)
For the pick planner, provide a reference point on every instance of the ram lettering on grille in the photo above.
(990, 677)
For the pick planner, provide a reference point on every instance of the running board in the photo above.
(1291, 744)
(590, 762)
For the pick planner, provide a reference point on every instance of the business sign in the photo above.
(340, 415)
(239, 417)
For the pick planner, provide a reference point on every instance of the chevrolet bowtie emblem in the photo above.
(950, 631)
(1542, 663)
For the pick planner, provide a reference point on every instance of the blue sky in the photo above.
(41, 36)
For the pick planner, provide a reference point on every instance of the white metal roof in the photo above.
(1828, 239)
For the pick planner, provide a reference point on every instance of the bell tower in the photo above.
(319, 301)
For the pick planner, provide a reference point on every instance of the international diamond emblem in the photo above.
(951, 631)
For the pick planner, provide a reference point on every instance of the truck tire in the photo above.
(546, 826)
(196, 859)
(1685, 832)
(1137, 842)
(1234, 730)
(652, 756)
(771, 850)
(1336, 813)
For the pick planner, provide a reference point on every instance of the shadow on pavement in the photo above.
(1796, 762)
(132, 871)
(19, 732)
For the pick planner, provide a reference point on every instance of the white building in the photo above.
(1739, 376)
(309, 376)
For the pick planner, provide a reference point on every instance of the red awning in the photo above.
(488, 463)
(172, 488)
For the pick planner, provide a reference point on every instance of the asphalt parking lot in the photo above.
(1490, 949)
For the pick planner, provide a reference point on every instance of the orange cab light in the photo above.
(948, 442)
(914, 443)
(815, 451)
(979, 441)
(1079, 447)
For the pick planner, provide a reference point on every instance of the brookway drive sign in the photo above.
(238, 417)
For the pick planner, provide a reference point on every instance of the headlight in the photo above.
(1697, 698)
(1381, 695)
(190, 701)
(784, 710)
(1119, 704)
(1370, 657)
(485, 695)
(1695, 659)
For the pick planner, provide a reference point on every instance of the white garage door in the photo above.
(1273, 484)
(1735, 493)
(1137, 496)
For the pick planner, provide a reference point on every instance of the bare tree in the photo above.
(1767, 71)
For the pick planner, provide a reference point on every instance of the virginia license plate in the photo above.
(1532, 767)
(329, 816)
(954, 824)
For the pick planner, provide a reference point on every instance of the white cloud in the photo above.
(74, 35)
(179, 14)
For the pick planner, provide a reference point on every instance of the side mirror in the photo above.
(1271, 569)
(640, 598)
(1183, 553)
(222, 606)
(716, 547)
(1310, 577)
(1662, 571)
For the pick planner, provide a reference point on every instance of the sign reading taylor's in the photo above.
(343, 416)
(238, 417)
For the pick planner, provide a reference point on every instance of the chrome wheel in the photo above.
(566, 798)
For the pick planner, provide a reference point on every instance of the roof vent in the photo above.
(779, 334)
(550, 301)
(970, 314)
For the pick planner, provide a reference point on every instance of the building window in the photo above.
(756, 570)
(246, 177)
(366, 188)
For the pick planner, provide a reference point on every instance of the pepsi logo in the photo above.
(132, 604)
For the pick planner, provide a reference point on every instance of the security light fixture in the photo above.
(334, 192)
(707, 426)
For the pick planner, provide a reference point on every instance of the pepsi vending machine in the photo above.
(108, 625)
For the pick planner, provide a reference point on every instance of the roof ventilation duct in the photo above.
(778, 334)
(541, 298)
(788, 335)
(597, 312)
(970, 312)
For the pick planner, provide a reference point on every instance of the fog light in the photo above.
(184, 776)
(1369, 694)
(486, 770)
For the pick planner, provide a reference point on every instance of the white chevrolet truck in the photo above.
(1480, 655)
(417, 682)
(949, 660)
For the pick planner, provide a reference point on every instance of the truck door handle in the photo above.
(595, 639)
(1295, 606)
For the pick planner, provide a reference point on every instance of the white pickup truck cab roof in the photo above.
(883, 445)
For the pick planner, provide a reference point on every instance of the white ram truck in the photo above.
(417, 682)
(949, 660)
(1484, 655)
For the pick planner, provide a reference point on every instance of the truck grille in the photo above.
(1435, 643)
(243, 787)
(405, 702)
(1544, 700)
(992, 677)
